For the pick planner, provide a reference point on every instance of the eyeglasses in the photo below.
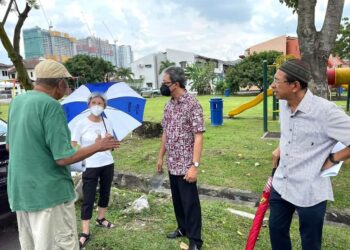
(278, 82)
(167, 83)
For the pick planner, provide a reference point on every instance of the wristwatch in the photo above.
(331, 158)
(196, 164)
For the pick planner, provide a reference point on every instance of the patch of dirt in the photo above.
(149, 130)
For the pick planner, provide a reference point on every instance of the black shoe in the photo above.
(193, 246)
(175, 234)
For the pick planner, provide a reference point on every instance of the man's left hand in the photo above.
(191, 175)
(327, 164)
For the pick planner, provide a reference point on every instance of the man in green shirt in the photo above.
(40, 188)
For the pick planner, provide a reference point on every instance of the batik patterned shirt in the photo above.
(183, 118)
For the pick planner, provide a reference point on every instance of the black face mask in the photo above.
(165, 90)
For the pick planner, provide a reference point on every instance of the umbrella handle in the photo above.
(104, 123)
(273, 171)
(275, 167)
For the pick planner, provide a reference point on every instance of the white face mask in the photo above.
(96, 110)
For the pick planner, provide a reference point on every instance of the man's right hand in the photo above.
(276, 157)
(159, 166)
(106, 143)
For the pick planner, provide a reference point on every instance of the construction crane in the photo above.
(114, 39)
(47, 20)
(87, 25)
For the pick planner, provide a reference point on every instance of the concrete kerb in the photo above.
(142, 183)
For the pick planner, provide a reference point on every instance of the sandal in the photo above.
(86, 237)
(99, 223)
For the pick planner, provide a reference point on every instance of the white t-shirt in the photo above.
(85, 133)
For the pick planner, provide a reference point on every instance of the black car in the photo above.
(5, 211)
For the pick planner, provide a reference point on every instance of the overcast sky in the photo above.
(219, 29)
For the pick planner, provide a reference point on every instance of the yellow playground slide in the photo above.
(259, 98)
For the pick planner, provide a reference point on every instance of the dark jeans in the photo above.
(90, 180)
(310, 223)
(187, 208)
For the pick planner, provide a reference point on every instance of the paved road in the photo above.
(9, 236)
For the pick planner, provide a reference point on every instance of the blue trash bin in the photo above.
(227, 92)
(216, 111)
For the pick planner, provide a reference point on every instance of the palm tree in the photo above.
(165, 64)
(125, 74)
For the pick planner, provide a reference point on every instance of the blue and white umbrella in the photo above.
(124, 108)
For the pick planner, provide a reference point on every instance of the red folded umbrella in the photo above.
(259, 215)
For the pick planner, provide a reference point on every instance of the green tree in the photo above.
(13, 49)
(342, 44)
(249, 71)
(202, 75)
(125, 74)
(165, 64)
(93, 69)
(220, 87)
(316, 46)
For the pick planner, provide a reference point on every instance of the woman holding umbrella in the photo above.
(99, 166)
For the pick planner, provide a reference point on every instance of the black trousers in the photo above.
(310, 223)
(90, 181)
(187, 208)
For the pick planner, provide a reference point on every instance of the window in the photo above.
(4, 73)
(31, 73)
(148, 65)
(183, 64)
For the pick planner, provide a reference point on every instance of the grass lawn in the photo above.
(222, 230)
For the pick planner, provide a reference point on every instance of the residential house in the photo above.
(29, 65)
(147, 68)
(4, 71)
(286, 44)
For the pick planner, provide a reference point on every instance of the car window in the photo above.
(3, 130)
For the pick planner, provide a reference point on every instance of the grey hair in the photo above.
(52, 82)
(176, 74)
(97, 94)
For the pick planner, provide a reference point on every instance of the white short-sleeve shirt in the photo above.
(85, 133)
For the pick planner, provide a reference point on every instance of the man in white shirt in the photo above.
(310, 127)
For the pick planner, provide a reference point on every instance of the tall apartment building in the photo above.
(49, 44)
(94, 46)
(125, 56)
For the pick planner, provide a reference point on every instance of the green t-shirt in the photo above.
(38, 135)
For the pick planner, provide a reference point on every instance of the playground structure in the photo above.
(252, 103)
(337, 77)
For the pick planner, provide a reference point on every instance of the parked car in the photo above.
(5, 211)
(149, 92)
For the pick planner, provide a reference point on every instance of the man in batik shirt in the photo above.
(182, 142)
